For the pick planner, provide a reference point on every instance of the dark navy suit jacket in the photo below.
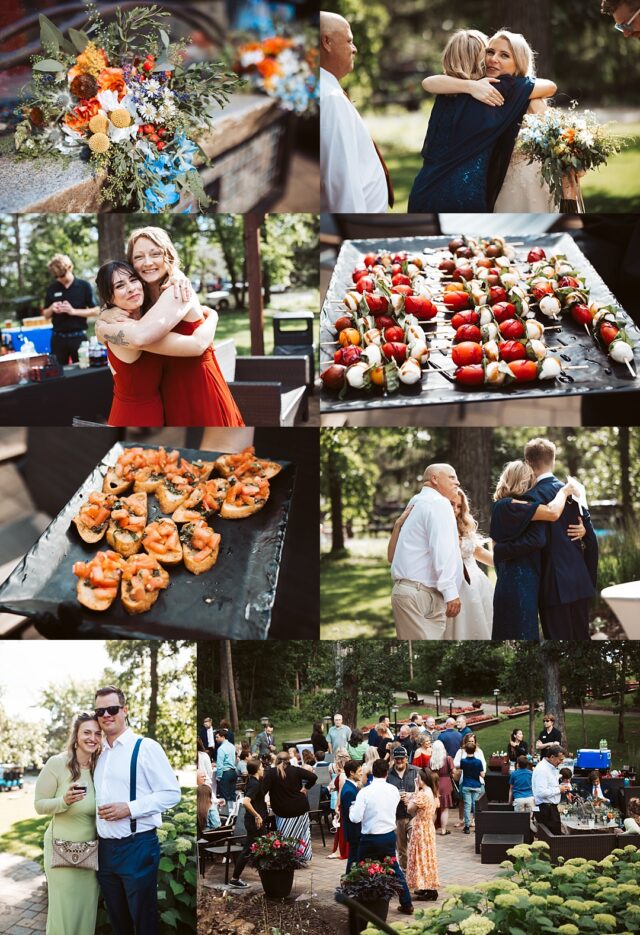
(347, 798)
(569, 569)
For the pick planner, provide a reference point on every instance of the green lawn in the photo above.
(21, 830)
(235, 324)
(355, 598)
(615, 187)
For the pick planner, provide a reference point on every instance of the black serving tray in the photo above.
(233, 600)
(603, 374)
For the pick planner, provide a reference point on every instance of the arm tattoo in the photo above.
(113, 338)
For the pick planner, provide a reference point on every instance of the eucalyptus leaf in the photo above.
(48, 64)
(52, 36)
(165, 38)
(79, 39)
(163, 65)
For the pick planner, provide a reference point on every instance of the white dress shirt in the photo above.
(204, 764)
(375, 806)
(545, 783)
(352, 177)
(211, 740)
(157, 788)
(428, 550)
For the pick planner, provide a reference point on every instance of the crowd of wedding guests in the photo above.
(385, 792)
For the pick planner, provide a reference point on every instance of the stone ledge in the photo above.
(35, 186)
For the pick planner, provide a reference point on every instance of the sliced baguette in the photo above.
(113, 483)
(206, 499)
(98, 580)
(245, 498)
(125, 539)
(200, 546)
(171, 495)
(142, 580)
(92, 528)
(162, 541)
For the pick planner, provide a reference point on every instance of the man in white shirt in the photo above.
(134, 784)
(375, 807)
(547, 790)
(427, 567)
(352, 174)
(339, 734)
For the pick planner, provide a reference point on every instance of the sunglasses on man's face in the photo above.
(112, 709)
(626, 27)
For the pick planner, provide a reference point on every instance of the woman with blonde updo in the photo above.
(473, 126)
(515, 600)
(157, 312)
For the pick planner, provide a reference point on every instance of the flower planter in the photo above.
(277, 884)
(379, 907)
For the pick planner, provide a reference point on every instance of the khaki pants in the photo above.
(403, 832)
(418, 611)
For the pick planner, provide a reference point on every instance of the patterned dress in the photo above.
(422, 863)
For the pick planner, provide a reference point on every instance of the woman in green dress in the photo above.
(72, 892)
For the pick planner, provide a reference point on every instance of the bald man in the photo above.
(626, 14)
(352, 172)
(426, 564)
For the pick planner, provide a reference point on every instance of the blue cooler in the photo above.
(593, 759)
(40, 337)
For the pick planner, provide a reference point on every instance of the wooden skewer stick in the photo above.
(577, 367)
(631, 370)
(586, 328)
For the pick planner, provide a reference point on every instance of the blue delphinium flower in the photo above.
(160, 196)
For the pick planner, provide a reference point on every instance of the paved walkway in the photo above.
(23, 896)
(457, 864)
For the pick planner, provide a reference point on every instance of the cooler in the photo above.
(593, 759)
(40, 337)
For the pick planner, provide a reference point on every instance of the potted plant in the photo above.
(372, 883)
(276, 858)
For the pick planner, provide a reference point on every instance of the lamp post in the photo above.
(395, 709)
(437, 697)
(249, 735)
(450, 707)
(264, 721)
(496, 694)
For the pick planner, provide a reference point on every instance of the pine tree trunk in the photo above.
(335, 497)
(410, 650)
(224, 682)
(233, 705)
(622, 682)
(628, 517)
(532, 724)
(471, 450)
(153, 700)
(110, 237)
(208, 699)
(533, 20)
(17, 237)
(553, 702)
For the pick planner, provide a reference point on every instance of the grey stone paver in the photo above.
(23, 896)
(458, 864)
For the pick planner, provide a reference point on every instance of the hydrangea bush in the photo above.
(532, 896)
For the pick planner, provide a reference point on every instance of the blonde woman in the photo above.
(193, 389)
(65, 791)
(472, 129)
(370, 756)
(515, 601)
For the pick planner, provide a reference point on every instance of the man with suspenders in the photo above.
(134, 784)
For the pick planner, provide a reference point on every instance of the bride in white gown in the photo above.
(523, 190)
(475, 620)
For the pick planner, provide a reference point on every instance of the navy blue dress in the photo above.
(515, 599)
(467, 149)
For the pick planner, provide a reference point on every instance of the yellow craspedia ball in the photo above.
(120, 117)
(98, 124)
(99, 143)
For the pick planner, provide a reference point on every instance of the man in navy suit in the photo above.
(569, 566)
(348, 793)
(206, 736)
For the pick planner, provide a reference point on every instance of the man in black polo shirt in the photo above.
(69, 302)
(403, 777)
(549, 737)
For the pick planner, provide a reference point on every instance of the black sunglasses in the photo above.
(112, 710)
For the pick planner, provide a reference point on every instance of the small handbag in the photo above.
(81, 854)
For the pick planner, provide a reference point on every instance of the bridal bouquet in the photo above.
(284, 68)
(565, 143)
(120, 97)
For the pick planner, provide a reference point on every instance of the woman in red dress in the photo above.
(137, 370)
(194, 392)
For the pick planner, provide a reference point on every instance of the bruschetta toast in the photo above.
(161, 540)
(128, 519)
(245, 498)
(116, 483)
(200, 470)
(204, 500)
(148, 480)
(92, 518)
(200, 546)
(98, 580)
(173, 491)
(246, 464)
(142, 580)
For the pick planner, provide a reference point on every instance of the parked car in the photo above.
(218, 300)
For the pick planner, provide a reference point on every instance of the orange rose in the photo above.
(112, 79)
(268, 68)
(249, 47)
(276, 45)
(569, 135)
(80, 116)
